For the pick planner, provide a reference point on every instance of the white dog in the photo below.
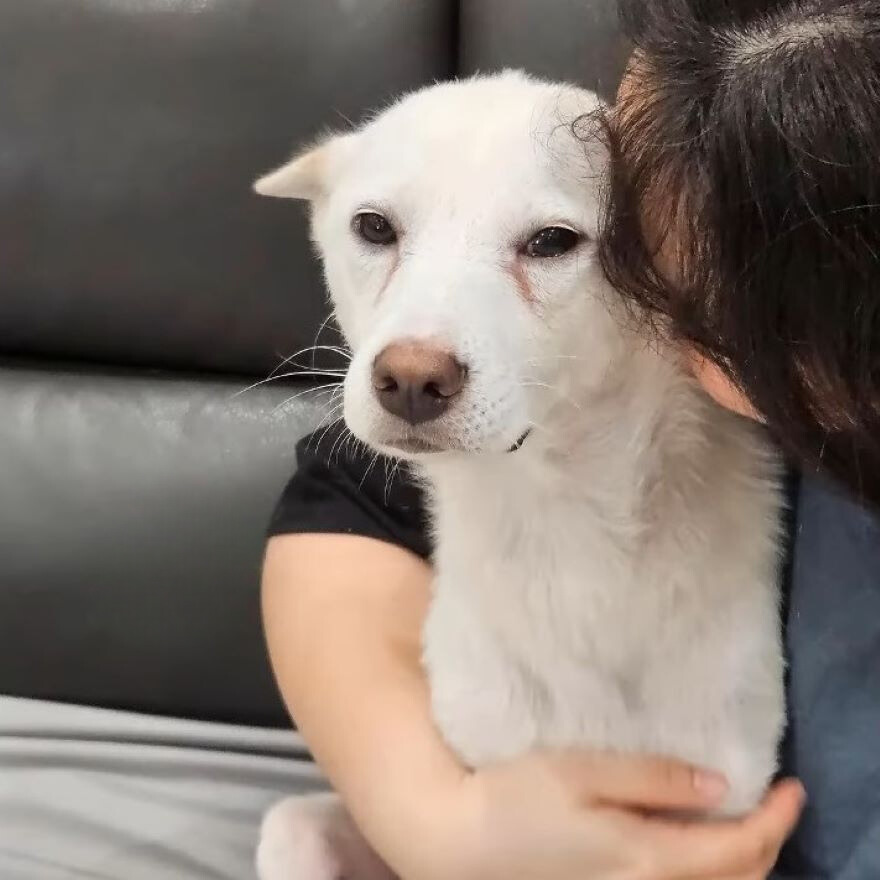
(606, 537)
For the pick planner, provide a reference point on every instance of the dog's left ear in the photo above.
(306, 175)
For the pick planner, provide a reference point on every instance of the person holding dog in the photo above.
(743, 220)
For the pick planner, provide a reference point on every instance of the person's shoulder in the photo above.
(833, 639)
(340, 486)
(835, 519)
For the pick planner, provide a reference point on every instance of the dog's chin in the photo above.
(416, 448)
(412, 447)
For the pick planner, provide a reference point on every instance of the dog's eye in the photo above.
(374, 228)
(554, 241)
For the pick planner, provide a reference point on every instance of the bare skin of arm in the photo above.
(343, 619)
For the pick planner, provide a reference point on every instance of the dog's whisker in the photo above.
(291, 359)
(388, 483)
(313, 349)
(330, 425)
(310, 368)
(338, 444)
(321, 329)
(305, 373)
(334, 404)
(351, 445)
(554, 357)
(333, 412)
(320, 389)
(565, 398)
(336, 439)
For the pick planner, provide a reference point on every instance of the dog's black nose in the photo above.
(417, 381)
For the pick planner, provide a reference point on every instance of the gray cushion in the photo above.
(87, 793)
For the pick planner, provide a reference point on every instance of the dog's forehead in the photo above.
(480, 129)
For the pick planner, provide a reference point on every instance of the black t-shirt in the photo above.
(832, 637)
(340, 490)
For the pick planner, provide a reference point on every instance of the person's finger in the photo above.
(747, 846)
(651, 783)
(751, 875)
(763, 873)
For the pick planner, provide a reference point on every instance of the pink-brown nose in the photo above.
(417, 381)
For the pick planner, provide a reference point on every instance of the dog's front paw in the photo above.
(313, 838)
(294, 843)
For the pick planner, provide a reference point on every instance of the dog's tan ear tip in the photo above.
(301, 178)
(283, 183)
(263, 186)
(307, 174)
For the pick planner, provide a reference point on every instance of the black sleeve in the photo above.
(339, 488)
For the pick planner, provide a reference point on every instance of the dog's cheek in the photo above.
(351, 323)
(555, 282)
(352, 282)
(359, 409)
(347, 269)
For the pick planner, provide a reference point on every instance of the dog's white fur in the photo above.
(612, 583)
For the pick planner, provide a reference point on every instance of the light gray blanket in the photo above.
(94, 793)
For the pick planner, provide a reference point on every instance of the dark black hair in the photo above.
(747, 151)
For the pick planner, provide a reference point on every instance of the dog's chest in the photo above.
(550, 630)
(545, 651)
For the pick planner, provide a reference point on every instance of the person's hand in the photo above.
(577, 816)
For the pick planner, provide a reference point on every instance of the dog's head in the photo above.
(456, 231)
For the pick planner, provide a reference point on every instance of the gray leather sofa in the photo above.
(142, 288)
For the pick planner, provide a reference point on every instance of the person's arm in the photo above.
(343, 618)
